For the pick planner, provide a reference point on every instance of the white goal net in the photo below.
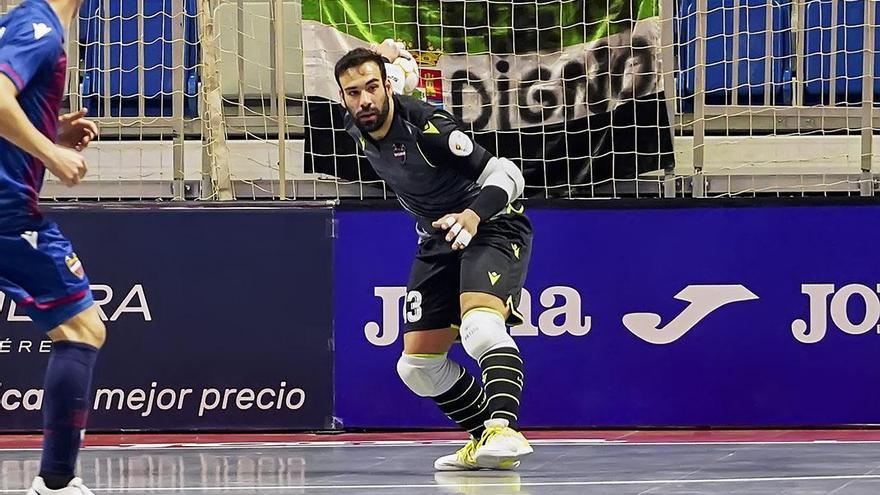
(223, 99)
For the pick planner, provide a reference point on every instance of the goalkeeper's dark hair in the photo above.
(357, 57)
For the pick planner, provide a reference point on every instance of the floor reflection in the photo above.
(118, 469)
(480, 483)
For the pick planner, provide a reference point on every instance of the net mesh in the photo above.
(134, 66)
(210, 99)
(570, 90)
(770, 96)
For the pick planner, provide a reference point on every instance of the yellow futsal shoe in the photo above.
(463, 460)
(501, 447)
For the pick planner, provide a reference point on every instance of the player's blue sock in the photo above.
(65, 409)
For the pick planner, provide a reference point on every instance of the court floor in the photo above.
(597, 463)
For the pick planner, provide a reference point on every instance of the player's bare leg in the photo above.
(66, 401)
(485, 338)
(84, 328)
(426, 370)
(429, 341)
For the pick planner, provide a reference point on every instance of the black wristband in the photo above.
(490, 201)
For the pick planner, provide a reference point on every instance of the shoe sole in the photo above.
(453, 466)
(447, 469)
(501, 462)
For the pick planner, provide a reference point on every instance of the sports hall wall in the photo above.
(287, 318)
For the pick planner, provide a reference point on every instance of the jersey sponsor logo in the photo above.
(460, 144)
(494, 277)
(31, 237)
(430, 128)
(399, 151)
(40, 30)
(74, 265)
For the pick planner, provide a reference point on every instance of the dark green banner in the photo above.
(497, 27)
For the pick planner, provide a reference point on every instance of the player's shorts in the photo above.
(42, 274)
(495, 262)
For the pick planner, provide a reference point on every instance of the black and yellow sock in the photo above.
(503, 383)
(465, 403)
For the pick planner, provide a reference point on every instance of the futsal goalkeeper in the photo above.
(468, 273)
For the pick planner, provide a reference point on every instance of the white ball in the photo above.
(397, 78)
(410, 73)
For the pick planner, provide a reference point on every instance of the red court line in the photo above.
(654, 436)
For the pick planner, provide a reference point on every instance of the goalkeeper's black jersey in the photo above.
(426, 159)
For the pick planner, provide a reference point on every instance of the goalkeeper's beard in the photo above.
(381, 117)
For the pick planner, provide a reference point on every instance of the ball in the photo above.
(410, 70)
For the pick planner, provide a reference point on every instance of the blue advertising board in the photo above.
(709, 316)
(217, 319)
(236, 319)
